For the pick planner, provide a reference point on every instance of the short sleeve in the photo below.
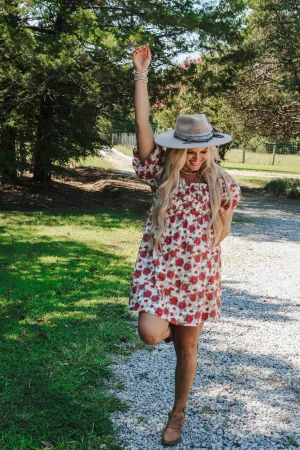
(148, 169)
(234, 191)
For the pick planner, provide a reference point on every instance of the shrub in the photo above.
(288, 187)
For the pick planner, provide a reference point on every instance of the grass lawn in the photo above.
(95, 161)
(65, 280)
(251, 182)
(127, 151)
(261, 162)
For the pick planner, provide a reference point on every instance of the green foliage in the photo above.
(250, 86)
(265, 81)
(284, 186)
(292, 442)
(66, 71)
(188, 97)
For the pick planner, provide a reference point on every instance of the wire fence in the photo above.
(259, 160)
(283, 149)
(285, 156)
(126, 139)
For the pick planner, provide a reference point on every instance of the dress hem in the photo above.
(168, 318)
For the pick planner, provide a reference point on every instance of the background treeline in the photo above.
(66, 73)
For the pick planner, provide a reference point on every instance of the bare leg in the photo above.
(185, 343)
(152, 328)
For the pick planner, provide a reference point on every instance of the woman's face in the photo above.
(195, 157)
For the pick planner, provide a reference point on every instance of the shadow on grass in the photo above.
(103, 216)
(64, 312)
(82, 188)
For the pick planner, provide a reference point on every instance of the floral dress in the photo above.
(181, 284)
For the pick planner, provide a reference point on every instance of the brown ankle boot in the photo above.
(172, 432)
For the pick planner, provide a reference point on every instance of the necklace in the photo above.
(189, 173)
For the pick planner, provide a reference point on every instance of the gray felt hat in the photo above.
(192, 131)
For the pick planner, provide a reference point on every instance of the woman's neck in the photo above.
(189, 173)
(191, 176)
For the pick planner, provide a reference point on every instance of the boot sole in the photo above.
(168, 444)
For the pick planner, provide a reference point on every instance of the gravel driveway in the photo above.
(246, 393)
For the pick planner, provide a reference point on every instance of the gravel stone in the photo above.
(246, 393)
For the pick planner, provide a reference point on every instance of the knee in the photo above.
(148, 337)
(187, 352)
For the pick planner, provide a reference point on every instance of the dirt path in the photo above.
(119, 160)
(123, 162)
(255, 174)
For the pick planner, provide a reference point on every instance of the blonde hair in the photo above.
(168, 180)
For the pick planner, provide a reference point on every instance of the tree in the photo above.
(75, 78)
(266, 82)
(251, 86)
(199, 91)
(16, 48)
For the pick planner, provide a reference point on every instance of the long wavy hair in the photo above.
(168, 181)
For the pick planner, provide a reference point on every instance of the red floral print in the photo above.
(182, 284)
(179, 262)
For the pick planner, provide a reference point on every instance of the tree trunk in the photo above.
(22, 151)
(42, 152)
(8, 155)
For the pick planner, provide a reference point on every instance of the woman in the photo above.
(176, 284)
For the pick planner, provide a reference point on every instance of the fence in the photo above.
(283, 156)
(283, 149)
(125, 139)
(241, 158)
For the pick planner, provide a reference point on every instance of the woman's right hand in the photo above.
(144, 132)
(142, 58)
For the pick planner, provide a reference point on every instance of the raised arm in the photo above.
(144, 132)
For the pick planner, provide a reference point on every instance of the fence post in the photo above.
(273, 158)
(244, 155)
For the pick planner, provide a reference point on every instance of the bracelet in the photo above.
(141, 76)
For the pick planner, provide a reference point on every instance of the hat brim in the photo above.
(167, 139)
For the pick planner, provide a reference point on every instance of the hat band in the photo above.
(189, 137)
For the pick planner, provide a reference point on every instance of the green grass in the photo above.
(125, 150)
(95, 161)
(285, 187)
(64, 286)
(292, 442)
(261, 162)
(250, 181)
(206, 411)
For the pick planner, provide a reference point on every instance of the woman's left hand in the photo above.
(226, 219)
